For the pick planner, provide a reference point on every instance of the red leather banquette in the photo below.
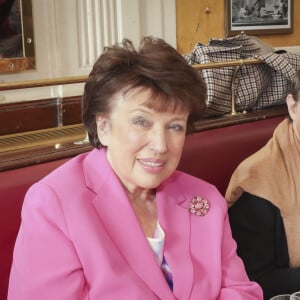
(210, 154)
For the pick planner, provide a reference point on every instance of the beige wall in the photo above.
(69, 35)
(194, 24)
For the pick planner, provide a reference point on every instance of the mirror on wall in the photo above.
(16, 36)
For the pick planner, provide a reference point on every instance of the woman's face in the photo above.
(143, 146)
(294, 112)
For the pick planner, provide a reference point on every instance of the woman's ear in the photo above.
(103, 129)
(292, 105)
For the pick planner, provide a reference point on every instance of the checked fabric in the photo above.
(257, 85)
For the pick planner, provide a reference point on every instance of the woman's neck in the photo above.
(144, 205)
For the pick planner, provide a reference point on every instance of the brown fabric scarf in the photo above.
(273, 173)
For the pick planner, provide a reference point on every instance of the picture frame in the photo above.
(257, 17)
(17, 51)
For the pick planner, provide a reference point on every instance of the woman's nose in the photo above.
(158, 140)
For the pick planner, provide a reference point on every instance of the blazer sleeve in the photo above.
(258, 229)
(45, 265)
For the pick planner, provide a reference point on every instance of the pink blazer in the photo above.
(80, 239)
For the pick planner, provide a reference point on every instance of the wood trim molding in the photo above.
(27, 148)
(32, 156)
(58, 147)
(228, 120)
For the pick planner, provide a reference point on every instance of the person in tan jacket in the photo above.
(264, 200)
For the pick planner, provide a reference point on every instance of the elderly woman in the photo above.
(264, 195)
(120, 222)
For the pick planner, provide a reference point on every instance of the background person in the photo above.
(264, 195)
(120, 222)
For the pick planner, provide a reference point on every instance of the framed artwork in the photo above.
(16, 36)
(256, 17)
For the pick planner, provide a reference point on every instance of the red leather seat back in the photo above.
(13, 186)
(213, 154)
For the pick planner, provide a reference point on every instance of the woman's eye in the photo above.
(177, 127)
(141, 121)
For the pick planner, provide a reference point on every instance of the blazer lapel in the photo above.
(175, 220)
(118, 217)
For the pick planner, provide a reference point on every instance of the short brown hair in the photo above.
(156, 65)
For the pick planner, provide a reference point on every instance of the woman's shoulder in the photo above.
(63, 185)
(193, 186)
(68, 171)
(65, 179)
(189, 181)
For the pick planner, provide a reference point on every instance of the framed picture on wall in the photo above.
(256, 17)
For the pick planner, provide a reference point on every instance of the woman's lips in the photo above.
(152, 164)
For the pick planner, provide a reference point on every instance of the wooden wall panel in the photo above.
(198, 21)
(71, 110)
(194, 23)
(27, 116)
(39, 114)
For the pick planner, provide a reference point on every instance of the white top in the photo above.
(157, 243)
